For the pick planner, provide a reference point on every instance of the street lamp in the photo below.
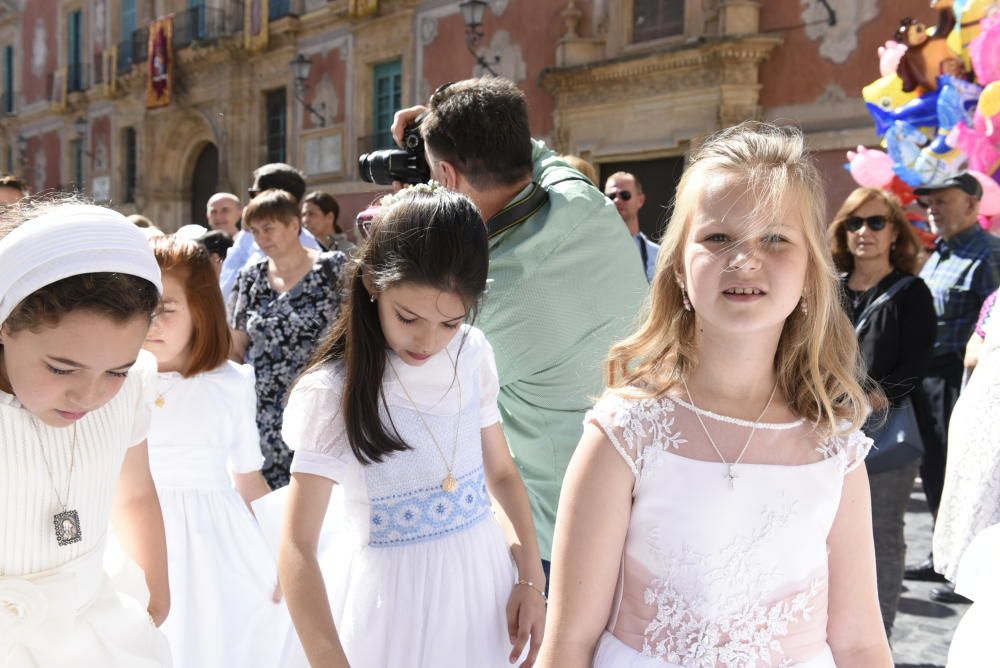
(301, 66)
(473, 12)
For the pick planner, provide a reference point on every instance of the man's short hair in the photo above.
(217, 242)
(481, 127)
(280, 176)
(8, 181)
(218, 197)
(629, 175)
(274, 204)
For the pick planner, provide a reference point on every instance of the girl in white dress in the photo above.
(78, 287)
(716, 511)
(222, 574)
(399, 408)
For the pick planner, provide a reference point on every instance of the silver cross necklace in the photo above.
(730, 467)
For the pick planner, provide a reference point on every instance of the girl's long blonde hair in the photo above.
(819, 370)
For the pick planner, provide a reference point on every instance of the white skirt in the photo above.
(613, 653)
(74, 616)
(431, 604)
(222, 579)
(974, 642)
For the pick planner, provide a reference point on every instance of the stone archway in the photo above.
(204, 182)
(182, 139)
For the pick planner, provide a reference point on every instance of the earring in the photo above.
(684, 297)
(372, 299)
(803, 306)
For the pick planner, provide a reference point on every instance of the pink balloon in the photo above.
(870, 167)
(989, 205)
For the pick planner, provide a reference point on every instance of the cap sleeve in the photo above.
(618, 417)
(851, 447)
(244, 450)
(143, 376)
(489, 388)
(314, 428)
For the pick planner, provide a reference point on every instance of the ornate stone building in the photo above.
(624, 83)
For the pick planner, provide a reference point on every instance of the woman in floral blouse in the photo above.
(279, 310)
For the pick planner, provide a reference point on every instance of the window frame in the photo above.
(276, 139)
(390, 71)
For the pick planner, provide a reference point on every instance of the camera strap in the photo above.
(517, 212)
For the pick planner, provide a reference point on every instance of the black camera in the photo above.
(407, 166)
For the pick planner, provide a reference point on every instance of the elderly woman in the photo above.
(877, 250)
(320, 212)
(280, 308)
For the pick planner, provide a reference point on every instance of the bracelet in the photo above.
(532, 585)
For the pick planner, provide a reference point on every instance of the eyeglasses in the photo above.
(624, 194)
(874, 223)
(253, 192)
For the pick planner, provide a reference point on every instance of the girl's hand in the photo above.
(156, 613)
(525, 619)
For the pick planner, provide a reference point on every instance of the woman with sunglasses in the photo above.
(877, 250)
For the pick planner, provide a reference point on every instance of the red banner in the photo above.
(160, 84)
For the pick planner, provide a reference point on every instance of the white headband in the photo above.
(69, 240)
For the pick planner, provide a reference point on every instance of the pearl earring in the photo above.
(372, 299)
(684, 296)
(803, 306)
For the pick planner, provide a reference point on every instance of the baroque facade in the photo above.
(628, 84)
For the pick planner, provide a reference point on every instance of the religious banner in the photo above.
(159, 86)
(362, 8)
(255, 25)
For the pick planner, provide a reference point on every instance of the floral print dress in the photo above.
(284, 329)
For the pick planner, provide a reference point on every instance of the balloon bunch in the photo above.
(937, 105)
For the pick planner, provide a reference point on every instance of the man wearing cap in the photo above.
(962, 272)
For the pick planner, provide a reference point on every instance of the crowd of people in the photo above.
(497, 423)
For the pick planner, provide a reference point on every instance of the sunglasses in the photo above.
(253, 192)
(624, 194)
(874, 223)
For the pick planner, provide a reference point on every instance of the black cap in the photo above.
(965, 182)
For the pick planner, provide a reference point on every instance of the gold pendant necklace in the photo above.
(66, 524)
(161, 397)
(449, 484)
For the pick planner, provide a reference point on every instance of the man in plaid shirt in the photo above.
(962, 272)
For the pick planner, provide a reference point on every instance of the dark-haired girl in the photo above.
(78, 288)
(203, 442)
(428, 577)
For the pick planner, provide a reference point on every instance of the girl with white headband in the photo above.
(78, 288)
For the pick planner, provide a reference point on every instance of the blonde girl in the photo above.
(716, 511)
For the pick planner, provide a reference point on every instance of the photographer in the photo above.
(563, 281)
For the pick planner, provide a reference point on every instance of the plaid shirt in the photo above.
(961, 273)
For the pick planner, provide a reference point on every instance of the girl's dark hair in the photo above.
(327, 203)
(431, 238)
(119, 297)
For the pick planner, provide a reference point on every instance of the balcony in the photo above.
(77, 79)
(133, 50)
(204, 25)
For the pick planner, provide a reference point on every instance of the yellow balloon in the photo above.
(887, 93)
(989, 100)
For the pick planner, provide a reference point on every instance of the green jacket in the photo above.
(565, 285)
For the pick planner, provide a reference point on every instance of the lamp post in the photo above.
(473, 12)
(301, 66)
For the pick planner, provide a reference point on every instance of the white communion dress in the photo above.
(58, 607)
(222, 574)
(719, 573)
(421, 576)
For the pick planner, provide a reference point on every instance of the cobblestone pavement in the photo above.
(923, 628)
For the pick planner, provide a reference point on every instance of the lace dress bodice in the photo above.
(720, 575)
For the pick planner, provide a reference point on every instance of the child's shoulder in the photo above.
(327, 377)
(471, 341)
(849, 444)
(231, 374)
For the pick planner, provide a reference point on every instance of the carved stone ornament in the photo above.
(428, 30)
(838, 42)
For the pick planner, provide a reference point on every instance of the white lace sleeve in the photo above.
(851, 447)
(613, 414)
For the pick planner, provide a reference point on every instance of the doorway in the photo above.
(204, 181)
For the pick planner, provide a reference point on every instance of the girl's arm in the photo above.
(139, 527)
(241, 341)
(591, 525)
(854, 628)
(298, 568)
(526, 607)
(251, 486)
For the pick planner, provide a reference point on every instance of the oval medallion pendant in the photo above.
(449, 484)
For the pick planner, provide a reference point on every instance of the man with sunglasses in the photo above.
(962, 272)
(625, 191)
(244, 251)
